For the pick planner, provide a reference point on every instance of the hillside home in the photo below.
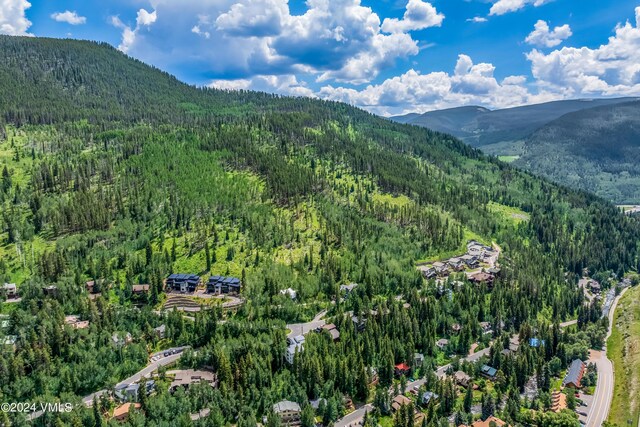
(185, 283)
(488, 372)
(10, 290)
(462, 379)
(140, 289)
(456, 264)
(121, 413)
(402, 369)
(574, 375)
(186, 377)
(288, 411)
(223, 285)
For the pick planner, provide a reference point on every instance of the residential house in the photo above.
(186, 377)
(487, 423)
(296, 347)
(536, 342)
(456, 328)
(290, 293)
(288, 411)
(482, 277)
(75, 322)
(442, 343)
(4, 322)
(428, 397)
(161, 331)
(140, 289)
(514, 344)
(333, 331)
(399, 401)
(95, 286)
(315, 404)
(50, 291)
(595, 286)
(418, 359)
(223, 285)
(130, 392)
(456, 264)
(495, 271)
(10, 290)
(121, 339)
(462, 379)
(359, 322)
(470, 260)
(574, 374)
(442, 269)
(488, 372)
(429, 273)
(9, 341)
(121, 413)
(402, 369)
(185, 283)
(347, 289)
(486, 327)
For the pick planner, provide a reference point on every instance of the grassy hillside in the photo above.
(623, 348)
(596, 149)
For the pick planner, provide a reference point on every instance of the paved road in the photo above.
(603, 394)
(304, 328)
(354, 418)
(146, 373)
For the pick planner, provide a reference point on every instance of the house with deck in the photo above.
(488, 372)
(288, 411)
(223, 285)
(185, 283)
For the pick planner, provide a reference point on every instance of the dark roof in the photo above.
(183, 277)
(488, 370)
(574, 374)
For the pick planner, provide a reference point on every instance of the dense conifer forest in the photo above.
(117, 173)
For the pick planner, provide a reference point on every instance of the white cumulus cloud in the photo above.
(543, 36)
(69, 17)
(477, 19)
(417, 16)
(469, 84)
(285, 85)
(143, 19)
(505, 6)
(611, 69)
(13, 19)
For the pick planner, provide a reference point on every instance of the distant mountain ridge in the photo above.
(590, 144)
(479, 126)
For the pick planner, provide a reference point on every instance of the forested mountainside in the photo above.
(596, 149)
(115, 173)
(481, 127)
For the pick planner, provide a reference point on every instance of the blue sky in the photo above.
(388, 56)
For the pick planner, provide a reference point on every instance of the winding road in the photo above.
(144, 373)
(599, 409)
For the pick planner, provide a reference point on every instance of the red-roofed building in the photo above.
(402, 369)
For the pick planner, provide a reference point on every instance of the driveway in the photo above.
(304, 328)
